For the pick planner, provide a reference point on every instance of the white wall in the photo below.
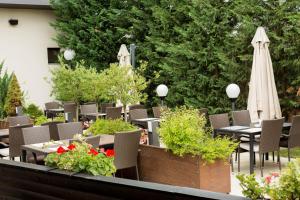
(24, 50)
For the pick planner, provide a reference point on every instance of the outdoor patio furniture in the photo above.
(241, 118)
(293, 139)
(203, 111)
(70, 107)
(53, 129)
(52, 108)
(88, 111)
(16, 140)
(138, 114)
(103, 106)
(33, 135)
(157, 111)
(219, 121)
(126, 145)
(68, 130)
(136, 106)
(113, 112)
(18, 120)
(93, 140)
(269, 141)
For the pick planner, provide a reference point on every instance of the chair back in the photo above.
(270, 135)
(88, 109)
(52, 105)
(113, 112)
(18, 120)
(126, 147)
(157, 111)
(138, 114)
(37, 134)
(93, 140)
(294, 138)
(53, 129)
(16, 139)
(103, 106)
(68, 130)
(136, 106)
(219, 120)
(19, 110)
(241, 118)
(70, 108)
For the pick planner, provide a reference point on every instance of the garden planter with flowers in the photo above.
(81, 157)
(191, 157)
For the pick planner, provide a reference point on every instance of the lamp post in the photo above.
(69, 54)
(233, 91)
(162, 91)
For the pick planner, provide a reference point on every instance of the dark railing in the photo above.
(28, 181)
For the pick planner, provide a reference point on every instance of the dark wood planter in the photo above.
(158, 165)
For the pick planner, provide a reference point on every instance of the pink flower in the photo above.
(268, 179)
(274, 174)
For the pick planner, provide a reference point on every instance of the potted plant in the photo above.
(275, 187)
(81, 157)
(192, 158)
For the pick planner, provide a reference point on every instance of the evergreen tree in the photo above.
(14, 97)
(4, 83)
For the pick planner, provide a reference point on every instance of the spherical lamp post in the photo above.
(69, 54)
(233, 92)
(162, 91)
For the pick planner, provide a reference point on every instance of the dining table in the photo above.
(250, 132)
(46, 148)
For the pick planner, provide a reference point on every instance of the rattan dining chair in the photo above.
(68, 130)
(241, 118)
(136, 106)
(292, 140)
(53, 129)
(52, 105)
(18, 120)
(113, 112)
(126, 145)
(16, 140)
(271, 131)
(88, 109)
(70, 107)
(138, 114)
(103, 106)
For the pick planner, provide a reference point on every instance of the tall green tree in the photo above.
(5, 79)
(14, 96)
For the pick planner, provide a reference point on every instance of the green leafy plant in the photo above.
(107, 126)
(285, 186)
(4, 83)
(43, 119)
(81, 157)
(124, 84)
(183, 132)
(33, 111)
(14, 96)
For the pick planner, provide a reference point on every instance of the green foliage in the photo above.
(183, 132)
(250, 186)
(107, 126)
(195, 47)
(81, 158)
(287, 186)
(14, 97)
(4, 83)
(43, 119)
(124, 84)
(33, 111)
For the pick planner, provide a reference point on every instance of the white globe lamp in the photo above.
(233, 92)
(162, 92)
(69, 54)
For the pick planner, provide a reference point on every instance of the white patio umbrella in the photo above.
(263, 102)
(124, 56)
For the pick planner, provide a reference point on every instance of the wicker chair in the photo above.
(68, 130)
(103, 106)
(138, 114)
(18, 120)
(136, 106)
(70, 107)
(53, 129)
(113, 112)
(241, 118)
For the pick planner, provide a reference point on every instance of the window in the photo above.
(53, 55)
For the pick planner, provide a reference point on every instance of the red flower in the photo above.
(110, 153)
(268, 179)
(60, 150)
(93, 151)
(71, 146)
(275, 174)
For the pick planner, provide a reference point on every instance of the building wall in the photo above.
(24, 50)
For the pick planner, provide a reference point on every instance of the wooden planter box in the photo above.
(157, 165)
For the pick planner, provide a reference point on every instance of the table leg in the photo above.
(251, 154)
(24, 155)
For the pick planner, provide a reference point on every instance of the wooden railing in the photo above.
(28, 181)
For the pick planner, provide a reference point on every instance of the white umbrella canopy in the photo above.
(262, 96)
(124, 56)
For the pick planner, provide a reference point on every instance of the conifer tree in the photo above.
(14, 97)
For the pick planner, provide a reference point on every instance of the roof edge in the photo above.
(25, 5)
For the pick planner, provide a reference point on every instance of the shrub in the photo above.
(107, 126)
(14, 97)
(4, 83)
(33, 111)
(81, 157)
(43, 119)
(183, 132)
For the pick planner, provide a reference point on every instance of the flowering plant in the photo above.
(286, 186)
(81, 157)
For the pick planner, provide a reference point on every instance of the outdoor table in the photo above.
(4, 133)
(251, 133)
(40, 148)
(152, 124)
(54, 111)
